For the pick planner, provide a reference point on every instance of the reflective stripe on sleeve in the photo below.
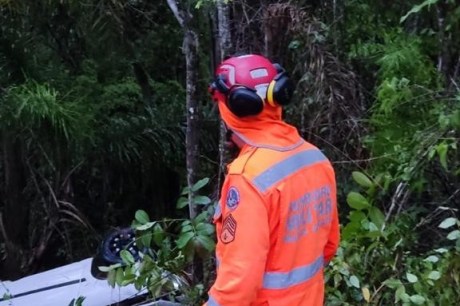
(217, 262)
(287, 167)
(217, 211)
(212, 302)
(284, 280)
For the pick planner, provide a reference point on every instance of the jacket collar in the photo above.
(266, 130)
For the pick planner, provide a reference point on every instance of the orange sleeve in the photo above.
(242, 245)
(334, 237)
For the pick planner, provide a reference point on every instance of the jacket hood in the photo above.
(265, 130)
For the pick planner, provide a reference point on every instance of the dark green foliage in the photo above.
(395, 249)
(404, 275)
(168, 249)
(92, 116)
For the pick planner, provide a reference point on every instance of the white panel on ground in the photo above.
(57, 287)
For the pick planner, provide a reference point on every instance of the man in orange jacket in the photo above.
(276, 221)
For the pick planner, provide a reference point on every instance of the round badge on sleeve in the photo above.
(233, 198)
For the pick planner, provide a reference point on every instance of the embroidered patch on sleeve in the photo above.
(228, 229)
(233, 198)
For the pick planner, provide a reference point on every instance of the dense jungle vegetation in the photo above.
(105, 119)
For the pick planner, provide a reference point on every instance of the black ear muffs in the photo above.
(281, 89)
(243, 101)
(221, 86)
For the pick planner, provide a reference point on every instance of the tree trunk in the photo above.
(15, 214)
(224, 33)
(225, 47)
(190, 50)
(191, 137)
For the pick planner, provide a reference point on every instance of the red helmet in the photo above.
(246, 82)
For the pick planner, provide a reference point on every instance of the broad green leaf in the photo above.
(357, 201)
(128, 281)
(434, 275)
(337, 279)
(454, 235)
(401, 294)
(417, 299)
(145, 226)
(127, 257)
(373, 228)
(448, 223)
(185, 191)
(392, 283)
(201, 217)
(357, 216)
(104, 268)
(186, 228)
(201, 200)
(366, 294)
(441, 250)
(205, 229)
(377, 217)
(146, 239)
(119, 276)
(350, 230)
(362, 179)
(112, 267)
(184, 239)
(182, 202)
(206, 242)
(442, 152)
(141, 216)
(111, 276)
(432, 258)
(431, 153)
(139, 283)
(354, 281)
(158, 234)
(128, 278)
(200, 184)
(186, 222)
(405, 298)
(411, 277)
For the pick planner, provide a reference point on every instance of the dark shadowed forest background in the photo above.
(104, 112)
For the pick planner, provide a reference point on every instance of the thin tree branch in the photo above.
(173, 6)
(3, 231)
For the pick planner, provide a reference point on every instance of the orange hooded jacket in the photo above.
(276, 221)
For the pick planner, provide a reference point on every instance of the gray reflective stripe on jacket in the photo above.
(286, 167)
(284, 280)
(217, 211)
(212, 302)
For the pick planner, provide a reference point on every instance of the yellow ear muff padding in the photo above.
(271, 86)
